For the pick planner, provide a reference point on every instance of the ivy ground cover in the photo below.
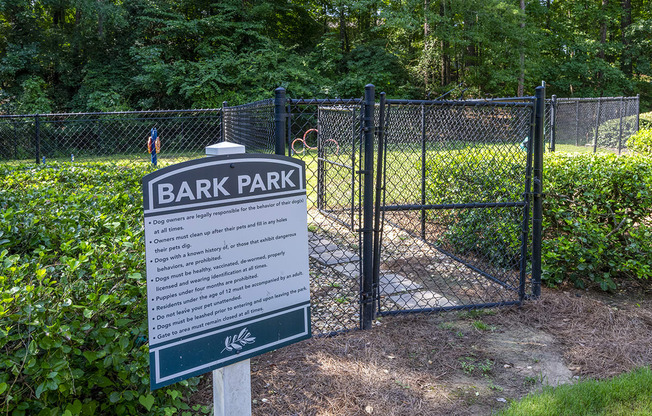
(73, 318)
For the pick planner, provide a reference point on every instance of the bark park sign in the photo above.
(226, 245)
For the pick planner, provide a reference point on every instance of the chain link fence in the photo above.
(592, 123)
(455, 232)
(119, 137)
(327, 136)
(251, 125)
(450, 225)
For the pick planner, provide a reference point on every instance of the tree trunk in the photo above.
(625, 22)
(426, 46)
(445, 56)
(344, 38)
(100, 19)
(521, 78)
(603, 29)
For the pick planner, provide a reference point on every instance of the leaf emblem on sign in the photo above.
(236, 342)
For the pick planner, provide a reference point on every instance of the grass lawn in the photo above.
(627, 395)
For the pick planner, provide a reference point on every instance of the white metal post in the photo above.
(231, 384)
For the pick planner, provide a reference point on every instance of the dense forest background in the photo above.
(111, 55)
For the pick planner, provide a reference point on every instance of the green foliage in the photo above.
(625, 395)
(470, 175)
(146, 54)
(73, 319)
(611, 133)
(641, 142)
(34, 97)
(645, 121)
(597, 221)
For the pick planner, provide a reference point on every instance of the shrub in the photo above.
(641, 142)
(73, 319)
(645, 121)
(479, 175)
(597, 213)
(609, 132)
(597, 218)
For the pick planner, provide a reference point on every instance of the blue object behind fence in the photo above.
(153, 134)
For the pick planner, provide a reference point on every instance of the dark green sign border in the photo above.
(216, 349)
(195, 354)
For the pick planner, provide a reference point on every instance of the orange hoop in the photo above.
(157, 143)
(303, 140)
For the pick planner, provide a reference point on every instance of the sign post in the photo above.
(231, 384)
(227, 267)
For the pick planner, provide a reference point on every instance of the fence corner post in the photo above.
(37, 138)
(279, 120)
(553, 122)
(537, 189)
(223, 121)
(367, 296)
(638, 112)
(597, 126)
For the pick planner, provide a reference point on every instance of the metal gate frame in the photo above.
(373, 210)
(324, 163)
(531, 201)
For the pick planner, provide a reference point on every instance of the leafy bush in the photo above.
(609, 132)
(479, 175)
(73, 319)
(645, 121)
(597, 218)
(597, 213)
(641, 142)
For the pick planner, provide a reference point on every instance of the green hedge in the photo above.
(645, 121)
(641, 142)
(597, 213)
(479, 175)
(609, 132)
(597, 218)
(73, 318)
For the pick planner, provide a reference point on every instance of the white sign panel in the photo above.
(227, 262)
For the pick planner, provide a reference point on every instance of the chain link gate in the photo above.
(326, 135)
(454, 197)
(450, 225)
(338, 149)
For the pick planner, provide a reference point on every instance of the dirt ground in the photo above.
(456, 363)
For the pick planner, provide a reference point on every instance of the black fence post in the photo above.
(423, 171)
(223, 123)
(597, 127)
(577, 122)
(553, 122)
(366, 297)
(37, 137)
(620, 127)
(537, 197)
(380, 187)
(638, 111)
(279, 120)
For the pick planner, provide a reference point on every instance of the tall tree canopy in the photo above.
(111, 55)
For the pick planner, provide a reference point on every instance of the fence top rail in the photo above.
(324, 101)
(570, 99)
(111, 113)
(147, 119)
(500, 102)
(260, 103)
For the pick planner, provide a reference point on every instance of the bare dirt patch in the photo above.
(458, 363)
